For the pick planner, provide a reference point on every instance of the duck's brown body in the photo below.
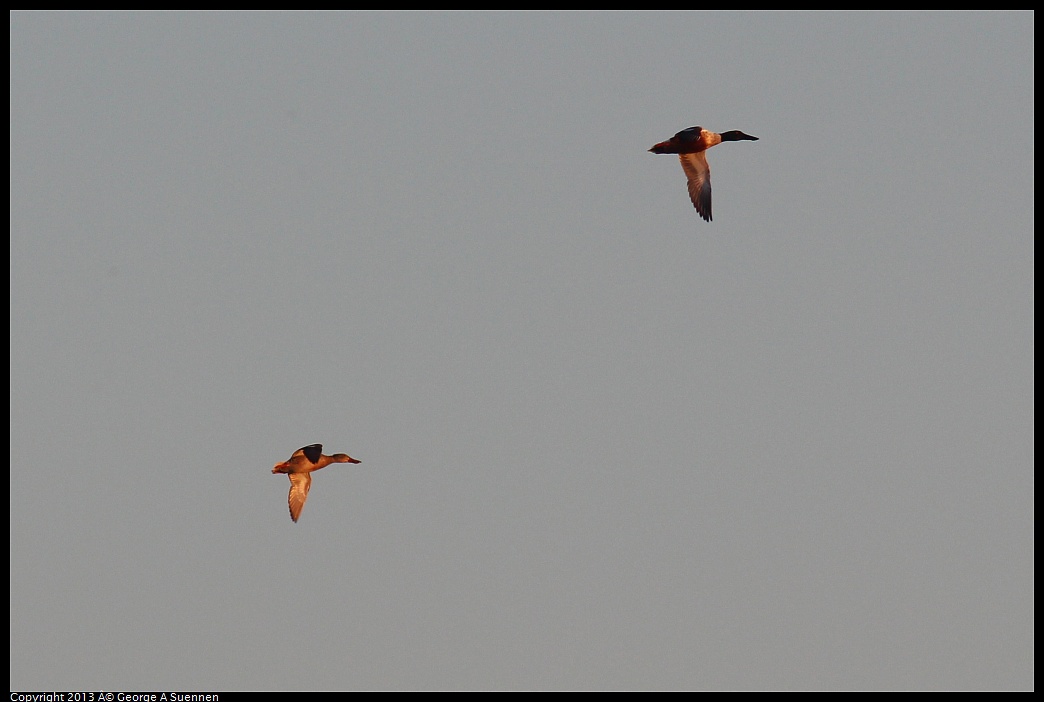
(690, 144)
(302, 463)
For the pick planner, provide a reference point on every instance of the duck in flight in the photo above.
(299, 468)
(690, 144)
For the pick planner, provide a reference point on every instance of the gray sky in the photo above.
(604, 444)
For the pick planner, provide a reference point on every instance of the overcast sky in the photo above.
(604, 444)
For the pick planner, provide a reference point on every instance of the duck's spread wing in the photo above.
(312, 452)
(698, 173)
(300, 483)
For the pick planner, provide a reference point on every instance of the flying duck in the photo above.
(299, 468)
(690, 144)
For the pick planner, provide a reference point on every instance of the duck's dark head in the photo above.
(736, 135)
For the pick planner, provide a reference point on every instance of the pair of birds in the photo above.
(690, 145)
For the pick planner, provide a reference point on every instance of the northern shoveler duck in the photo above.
(299, 468)
(690, 144)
